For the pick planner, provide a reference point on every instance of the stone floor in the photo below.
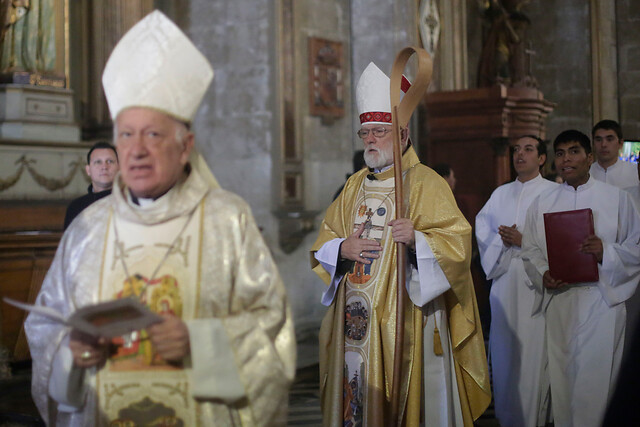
(304, 402)
(17, 408)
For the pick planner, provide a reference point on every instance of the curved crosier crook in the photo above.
(418, 87)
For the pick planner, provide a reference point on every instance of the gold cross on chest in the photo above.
(369, 214)
(367, 223)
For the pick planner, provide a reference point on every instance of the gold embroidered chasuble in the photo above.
(159, 260)
(432, 209)
(214, 271)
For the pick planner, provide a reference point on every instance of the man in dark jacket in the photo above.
(102, 166)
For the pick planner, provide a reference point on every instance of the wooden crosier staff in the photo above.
(401, 113)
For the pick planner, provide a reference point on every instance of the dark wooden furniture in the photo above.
(471, 130)
(29, 236)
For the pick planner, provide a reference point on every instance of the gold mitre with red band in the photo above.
(373, 95)
(156, 66)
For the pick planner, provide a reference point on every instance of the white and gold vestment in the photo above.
(444, 372)
(217, 275)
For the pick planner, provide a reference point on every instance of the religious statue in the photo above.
(506, 54)
(28, 38)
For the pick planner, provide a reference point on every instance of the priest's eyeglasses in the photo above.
(377, 132)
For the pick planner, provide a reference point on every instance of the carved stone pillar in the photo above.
(452, 56)
(295, 221)
(604, 68)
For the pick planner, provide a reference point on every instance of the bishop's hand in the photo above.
(355, 248)
(87, 351)
(402, 232)
(170, 338)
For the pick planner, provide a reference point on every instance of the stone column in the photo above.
(604, 60)
(628, 51)
(452, 52)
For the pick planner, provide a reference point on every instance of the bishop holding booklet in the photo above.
(224, 352)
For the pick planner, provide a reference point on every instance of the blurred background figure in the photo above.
(358, 163)
(445, 171)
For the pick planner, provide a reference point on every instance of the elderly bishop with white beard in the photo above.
(444, 372)
(169, 237)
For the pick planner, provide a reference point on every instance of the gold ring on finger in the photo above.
(85, 355)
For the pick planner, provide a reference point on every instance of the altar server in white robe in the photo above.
(516, 337)
(168, 236)
(607, 143)
(634, 191)
(585, 322)
(633, 303)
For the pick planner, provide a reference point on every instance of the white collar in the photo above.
(613, 166)
(582, 187)
(378, 170)
(533, 180)
(145, 202)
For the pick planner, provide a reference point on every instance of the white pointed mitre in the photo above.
(156, 66)
(373, 95)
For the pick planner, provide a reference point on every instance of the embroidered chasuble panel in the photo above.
(375, 207)
(159, 265)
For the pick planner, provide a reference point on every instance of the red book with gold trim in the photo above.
(565, 232)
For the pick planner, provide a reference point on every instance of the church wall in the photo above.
(234, 126)
(326, 157)
(562, 63)
(379, 30)
(628, 19)
(239, 125)
(327, 144)
(238, 128)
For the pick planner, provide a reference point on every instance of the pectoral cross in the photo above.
(367, 223)
(129, 338)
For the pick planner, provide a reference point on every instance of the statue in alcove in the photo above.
(28, 38)
(506, 52)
